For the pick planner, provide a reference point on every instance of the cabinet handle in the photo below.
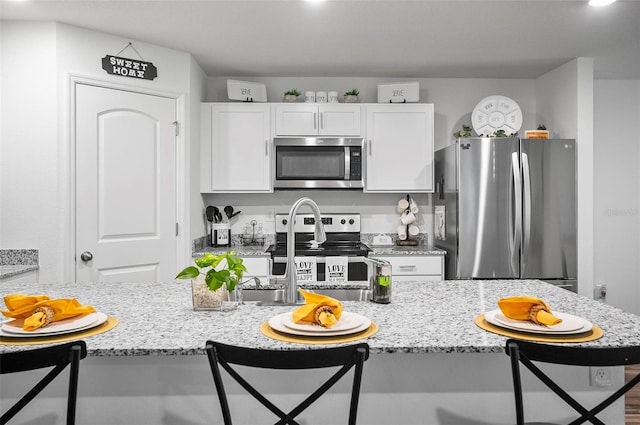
(266, 147)
(314, 121)
(410, 267)
(369, 147)
(322, 120)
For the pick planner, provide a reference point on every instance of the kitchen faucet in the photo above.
(291, 283)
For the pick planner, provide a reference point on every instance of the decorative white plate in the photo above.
(277, 324)
(570, 324)
(495, 113)
(347, 321)
(14, 327)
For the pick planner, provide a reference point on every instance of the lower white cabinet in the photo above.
(415, 267)
(256, 267)
(27, 277)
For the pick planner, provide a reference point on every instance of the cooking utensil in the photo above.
(228, 210)
(209, 213)
(217, 216)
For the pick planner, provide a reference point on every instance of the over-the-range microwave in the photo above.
(318, 163)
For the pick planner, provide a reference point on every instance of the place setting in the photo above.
(321, 320)
(39, 319)
(530, 318)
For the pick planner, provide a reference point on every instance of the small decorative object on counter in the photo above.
(380, 281)
(408, 230)
(465, 132)
(251, 236)
(540, 133)
(351, 96)
(291, 95)
(215, 280)
(220, 234)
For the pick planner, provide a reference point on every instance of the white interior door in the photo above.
(125, 186)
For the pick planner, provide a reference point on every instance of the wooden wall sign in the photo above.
(133, 68)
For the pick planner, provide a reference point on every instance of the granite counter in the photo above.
(430, 363)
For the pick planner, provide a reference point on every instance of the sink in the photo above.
(276, 296)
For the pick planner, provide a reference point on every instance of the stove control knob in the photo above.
(343, 221)
(284, 221)
(351, 221)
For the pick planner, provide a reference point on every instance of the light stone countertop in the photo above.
(423, 317)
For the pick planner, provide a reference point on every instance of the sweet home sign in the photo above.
(126, 67)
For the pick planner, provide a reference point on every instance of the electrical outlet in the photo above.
(600, 376)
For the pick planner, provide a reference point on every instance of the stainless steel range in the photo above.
(343, 240)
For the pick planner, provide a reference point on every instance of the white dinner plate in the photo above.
(347, 321)
(570, 324)
(276, 323)
(14, 327)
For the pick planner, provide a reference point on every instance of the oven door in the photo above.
(357, 268)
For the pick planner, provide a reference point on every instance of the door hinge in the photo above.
(177, 230)
(176, 125)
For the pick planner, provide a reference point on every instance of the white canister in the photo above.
(321, 96)
(332, 97)
(220, 234)
(309, 96)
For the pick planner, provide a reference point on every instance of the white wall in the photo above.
(29, 152)
(617, 192)
(565, 105)
(38, 62)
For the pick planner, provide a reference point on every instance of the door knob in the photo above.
(86, 256)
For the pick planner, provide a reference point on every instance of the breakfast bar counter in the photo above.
(430, 362)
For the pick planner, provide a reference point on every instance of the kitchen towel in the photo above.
(336, 269)
(528, 308)
(306, 269)
(40, 310)
(318, 309)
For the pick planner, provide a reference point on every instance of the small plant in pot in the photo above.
(214, 279)
(291, 95)
(351, 96)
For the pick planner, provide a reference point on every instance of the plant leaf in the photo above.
(188, 273)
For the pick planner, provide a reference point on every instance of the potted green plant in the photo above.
(465, 132)
(291, 95)
(351, 96)
(214, 280)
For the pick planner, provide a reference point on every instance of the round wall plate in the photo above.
(495, 113)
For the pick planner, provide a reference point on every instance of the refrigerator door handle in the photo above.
(516, 205)
(526, 206)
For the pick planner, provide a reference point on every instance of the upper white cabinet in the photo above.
(236, 147)
(311, 119)
(399, 148)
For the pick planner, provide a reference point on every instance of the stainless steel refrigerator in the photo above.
(506, 208)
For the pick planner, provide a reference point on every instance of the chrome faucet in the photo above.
(291, 283)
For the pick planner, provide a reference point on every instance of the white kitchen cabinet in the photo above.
(256, 267)
(399, 148)
(415, 267)
(236, 148)
(26, 277)
(311, 119)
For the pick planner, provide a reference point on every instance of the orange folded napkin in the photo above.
(528, 308)
(40, 310)
(318, 309)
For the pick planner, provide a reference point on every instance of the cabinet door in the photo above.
(415, 267)
(296, 120)
(313, 119)
(339, 120)
(236, 148)
(399, 148)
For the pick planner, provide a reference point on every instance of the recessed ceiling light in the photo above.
(598, 3)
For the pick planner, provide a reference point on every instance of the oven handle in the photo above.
(321, 259)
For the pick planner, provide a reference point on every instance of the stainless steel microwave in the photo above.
(318, 163)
